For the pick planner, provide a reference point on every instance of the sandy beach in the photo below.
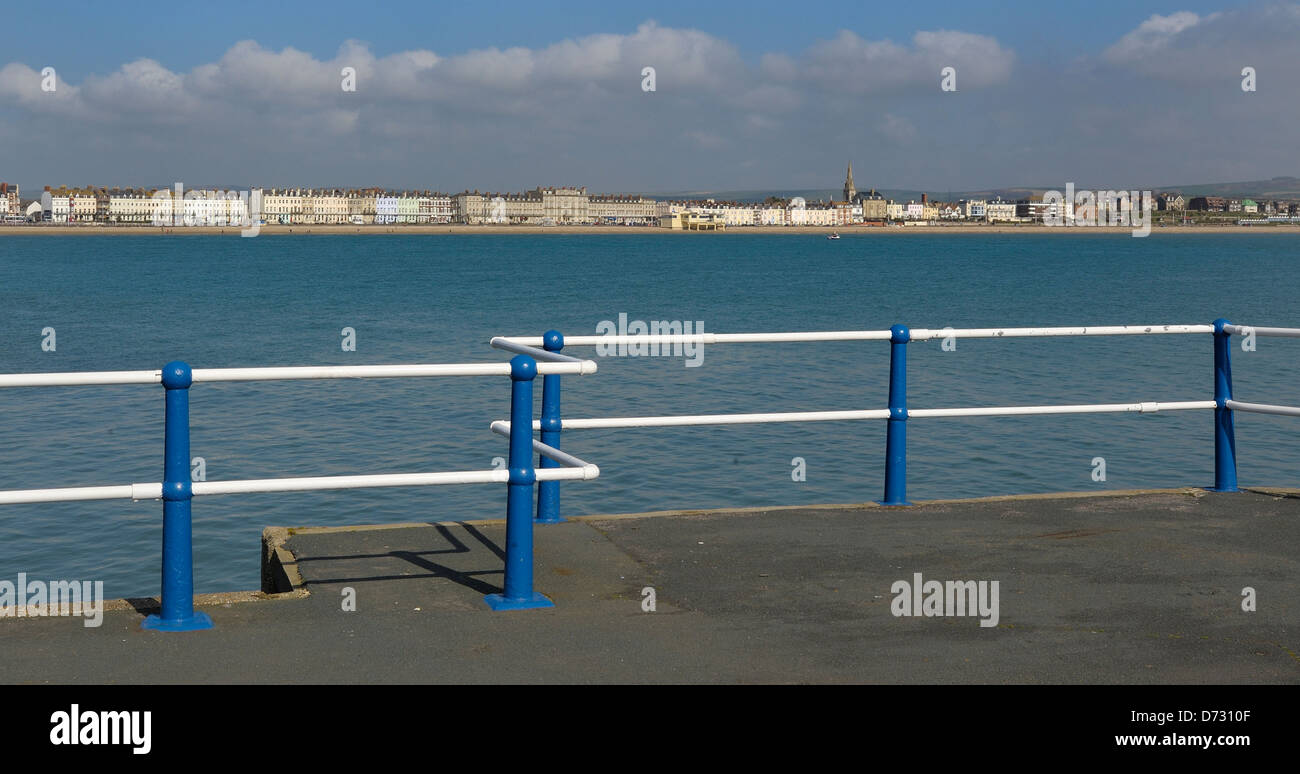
(847, 231)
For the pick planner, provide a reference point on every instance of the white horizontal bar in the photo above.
(349, 482)
(83, 378)
(75, 494)
(203, 488)
(922, 334)
(1264, 408)
(831, 416)
(381, 371)
(584, 473)
(708, 338)
(568, 366)
(564, 458)
(1259, 331)
(1091, 408)
(917, 334)
(718, 419)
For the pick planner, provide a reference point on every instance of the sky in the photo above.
(501, 96)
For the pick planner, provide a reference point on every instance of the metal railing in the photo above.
(554, 465)
(176, 490)
(897, 413)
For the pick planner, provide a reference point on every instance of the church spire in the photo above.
(849, 190)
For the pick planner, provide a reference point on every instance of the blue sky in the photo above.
(96, 36)
(505, 96)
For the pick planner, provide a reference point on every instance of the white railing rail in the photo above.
(177, 490)
(897, 413)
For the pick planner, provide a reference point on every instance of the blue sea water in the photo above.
(119, 303)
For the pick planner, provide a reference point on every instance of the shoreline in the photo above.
(460, 229)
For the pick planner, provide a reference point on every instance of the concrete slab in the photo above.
(1128, 588)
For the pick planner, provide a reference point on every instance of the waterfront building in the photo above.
(692, 221)
(408, 208)
(131, 205)
(386, 208)
(1249, 205)
(56, 206)
(361, 206)
(771, 215)
(622, 210)
(1207, 204)
(1170, 201)
(998, 210)
(469, 207)
(282, 207)
(435, 208)
(325, 207)
(565, 205)
(12, 201)
(874, 206)
(82, 206)
(973, 209)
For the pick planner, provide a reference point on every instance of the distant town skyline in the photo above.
(745, 96)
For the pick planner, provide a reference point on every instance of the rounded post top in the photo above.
(899, 334)
(523, 368)
(552, 341)
(177, 375)
(1218, 325)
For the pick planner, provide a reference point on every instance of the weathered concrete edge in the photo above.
(282, 580)
(1190, 491)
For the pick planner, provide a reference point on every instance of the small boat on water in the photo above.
(833, 235)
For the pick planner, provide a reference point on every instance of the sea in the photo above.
(137, 302)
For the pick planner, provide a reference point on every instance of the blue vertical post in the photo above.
(548, 492)
(518, 593)
(896, 437)
(1225, 440)
(178, 613)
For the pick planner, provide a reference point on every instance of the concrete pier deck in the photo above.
(1109, 588)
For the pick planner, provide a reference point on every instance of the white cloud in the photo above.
(849, 63)
(1153, 36)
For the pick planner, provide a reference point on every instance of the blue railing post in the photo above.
(896, 438)
(178, 613)
(548, 492)
(1225, 440)
(518, 593)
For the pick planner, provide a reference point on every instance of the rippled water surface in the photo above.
(137, 302)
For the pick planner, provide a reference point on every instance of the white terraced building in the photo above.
(622, 209)
(56, 207)
(198, 208)
(386, 208)
(131, 206)
(282, 206)
(324, 207)
(435, 208)
(361, 207)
